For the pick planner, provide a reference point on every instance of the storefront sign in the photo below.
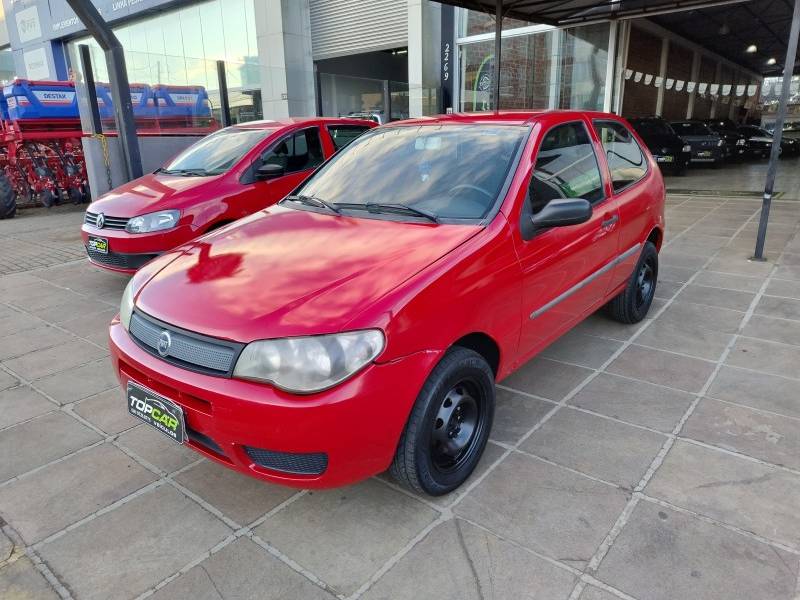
(447, 49)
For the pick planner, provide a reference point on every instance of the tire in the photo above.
(632, 304)
(48, 198)
(8, 200)
(75, 195)
(460, 390)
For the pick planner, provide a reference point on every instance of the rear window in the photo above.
(625, 158)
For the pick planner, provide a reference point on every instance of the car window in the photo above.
(218, 152)
(297, 152)
(341, 135)
(566, 167)
(625, 158)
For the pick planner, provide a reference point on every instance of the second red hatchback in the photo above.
(227, 175)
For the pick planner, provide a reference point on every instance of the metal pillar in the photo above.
(120, 89)
(498, 38)
(788, 71)
(224, 105)
(91, 90)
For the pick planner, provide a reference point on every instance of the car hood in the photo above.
(760, 138)
(285, 272)
(656, 141)
(150, 193)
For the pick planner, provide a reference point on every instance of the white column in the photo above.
(611, 60)
(415, 44)
(693, 77)
(662, 72)
(714, 103)
(283, 35)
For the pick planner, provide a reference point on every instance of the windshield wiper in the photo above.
(401, 208)
(314, 201)
(185, 172)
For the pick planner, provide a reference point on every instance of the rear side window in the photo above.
(566, 167)
(341, 135)
(625, 158)
(298, 152)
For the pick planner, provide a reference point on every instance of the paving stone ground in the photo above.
(649, 462)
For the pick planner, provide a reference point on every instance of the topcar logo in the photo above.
(164, 343)
(157, 412)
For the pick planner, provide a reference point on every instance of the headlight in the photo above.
(721, 143)
(126, 305)
(740, 142)
(164, 219)
(687, 148)
(309, 364)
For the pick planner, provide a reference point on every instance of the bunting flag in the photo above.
(647, 79)
(628, 73)
(679, 85)
(751, 90)
(713, 89)
(767, 88)
(670, 82)
(727, 92)
(659, 81)
(638, 77)
(726, 89)
(702, 87)
(740, 90)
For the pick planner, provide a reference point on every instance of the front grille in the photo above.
(189, 350)
(121, 261)
(108, 222)
(313, 463)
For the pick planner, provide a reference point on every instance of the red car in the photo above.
(227, 175)
(361, 323)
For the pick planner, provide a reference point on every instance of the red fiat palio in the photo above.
(360, 324)
(227, 175)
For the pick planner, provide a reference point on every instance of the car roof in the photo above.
(292, 121)
(503, 117)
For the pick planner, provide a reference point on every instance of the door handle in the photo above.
(609, 222)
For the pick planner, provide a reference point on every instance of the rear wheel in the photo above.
(48, 198)
(8, 199)
(449, 425)
(632, 304)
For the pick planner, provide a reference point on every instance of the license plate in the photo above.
(665, 159)
(704, 153)
(157, 411)
(98, 244)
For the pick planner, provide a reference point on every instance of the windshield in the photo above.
(217, 152)
(688, 128)
(443, 171)
(652, 127)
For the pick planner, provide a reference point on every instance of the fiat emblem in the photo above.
(101, 220)
(164, 343)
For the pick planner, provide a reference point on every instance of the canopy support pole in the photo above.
(772, 169)
(498, 38)
(120, 90)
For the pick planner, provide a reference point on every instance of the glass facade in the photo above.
(181, 48)
(6, 65)
(542, 67)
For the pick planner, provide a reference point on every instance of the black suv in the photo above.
(669, 150)
(735, 142)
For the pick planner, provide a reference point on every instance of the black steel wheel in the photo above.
(8, 199)
(633, 303)
(449, 425)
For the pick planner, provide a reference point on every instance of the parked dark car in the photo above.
(759, 141)
(735, 142)
(670, 151)
(707, 145)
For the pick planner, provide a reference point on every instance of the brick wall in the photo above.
(644, 55)
(679, 66)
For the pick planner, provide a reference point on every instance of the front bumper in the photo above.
(708, 154)
(127, 252)
(356, 424)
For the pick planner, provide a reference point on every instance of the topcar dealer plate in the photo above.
(98, 244)
(155, 410)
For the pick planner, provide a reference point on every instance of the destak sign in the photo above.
(447, 49)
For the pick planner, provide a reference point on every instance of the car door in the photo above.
(628, 168)
(566, 270)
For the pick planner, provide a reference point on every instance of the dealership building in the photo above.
(401, 58)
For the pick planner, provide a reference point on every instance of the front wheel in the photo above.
(449, 425)
(632, 304)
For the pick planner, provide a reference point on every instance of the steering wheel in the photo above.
(469, 186)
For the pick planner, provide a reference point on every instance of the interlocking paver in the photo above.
(767, 357)
(126, 551)
(21, 403)
(662, 554)
(784, 308)
(662, 368)
(772, 329)
(758, 390)
(515, 414)
(547, 378)
(154, 447)
(63, 493)
(544, 508)
(478, 566)
(752, 496)
(241, 571)
(78, 383)
(20, 580)
(106, 410)
(634, 401)
(580, 349)
(677, 337)
(362, 526)
(36, 442)
(599, 447)
(54, 360)
(240, 498)
(769, 437)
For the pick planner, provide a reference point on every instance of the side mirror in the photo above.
(269, 171)
(562, 212)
